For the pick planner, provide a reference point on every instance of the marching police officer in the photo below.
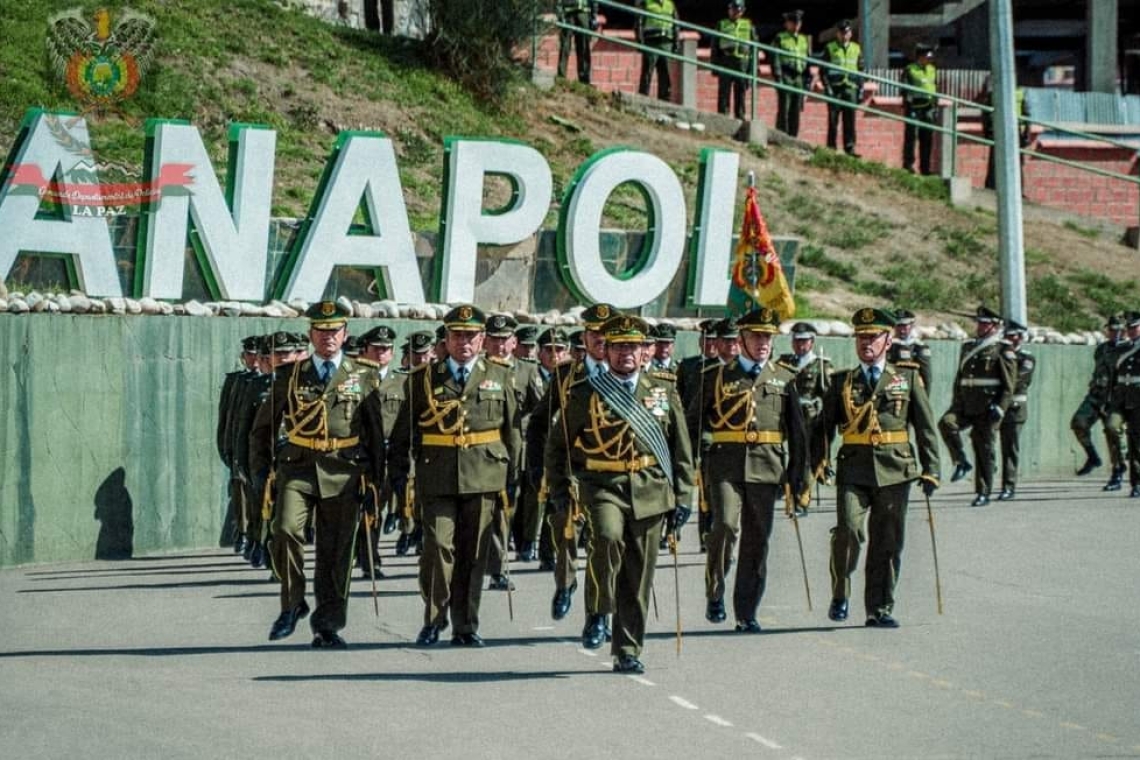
(875, 406)
(333, 449)
(462, 433)
(420, 352)
(758, 445)
(790, 67)
(842, 81)
(921, 105)
(1094, 406)
(629, 460)
(1125, 398)
(983, 392)
(907, 350)
(237, 517)
(582, 14)
(661, 35)
(248, 397)
(552, 351)
(1011, 424)
(732, 50)
(812, 379)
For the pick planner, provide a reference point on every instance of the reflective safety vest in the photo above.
(846, 60)
(923, 77)
(655, 28)
(734, 33)
(794, 47)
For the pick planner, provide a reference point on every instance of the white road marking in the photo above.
(587, 652)
(718, 721)
(543, 628)
(642, 680)
(762, 740)
(682, 702)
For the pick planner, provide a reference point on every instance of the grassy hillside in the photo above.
(870, 233)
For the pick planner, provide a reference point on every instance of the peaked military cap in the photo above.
(1013, 326)
(264, 345)
(501, 325)
(575, 339)
(353, 345)
(1115, 322)
(763, 320)
(553, 337)
(986, 314)
(289, 341)
(465, 318)
(625, 328)
(380, 335)
(738, 4)
(803, 331)
(665, 332)
(796, 15)
(871, 320)
(440, 333)
(328, 315)
(923, 49)
(527, 335)
(726, 328)
(421, 341)
(844, 25)
(249, 343)
(904, 317)
(597, 315)
(1132, 318)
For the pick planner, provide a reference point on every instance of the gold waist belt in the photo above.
(622, 465)
(876, 438)
(323, 444)
(747, 436)
(462, 440)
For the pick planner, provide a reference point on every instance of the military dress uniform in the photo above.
(462, 434)
(1094, 406)
(333, 447)
(420, 344)
(921, 105)
(1014, 420)
(790, 67)
(733, 50)
(812, 379)
(1125, 399)
(582, 14)
(910, 352)
(758, 445)
(630, 461)
(660, 34)
(983, 392)
(874, 409)
(843, 82)
(237, 517)
(248, 398)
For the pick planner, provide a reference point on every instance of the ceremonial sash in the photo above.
(644, 426)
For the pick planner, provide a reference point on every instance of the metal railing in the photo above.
(954, 103)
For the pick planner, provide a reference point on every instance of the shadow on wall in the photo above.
(115, 511)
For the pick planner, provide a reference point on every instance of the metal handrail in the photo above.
(770, 51)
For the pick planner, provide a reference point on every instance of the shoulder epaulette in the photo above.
(502, 362)
(663, 374)
(782, 363)
(421, 368)
(711, 366)
(367, 362)
(528, 360)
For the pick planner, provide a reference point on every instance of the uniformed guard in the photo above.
(790, 67)
(872, 406)
(1011, 424)
(733, 50)
(691, 375)
(758, 444)
(577, 347)
(629, 460)
(582, 14)
(1094, 406)
(689, 369)
(1124, 406)
(237, 517)
(907, 350)
(983, 392)
(553, 346)
(329, 418)
(420, 352)
(843, 82)
(462, 433)
(812, 379)
(659, 33)
(921, 105)
(664, 336)
(247, 398)
(526, 343)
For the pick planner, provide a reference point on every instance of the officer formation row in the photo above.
(489, 434)
(732, 54)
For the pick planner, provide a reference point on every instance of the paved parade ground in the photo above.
(1036, 656)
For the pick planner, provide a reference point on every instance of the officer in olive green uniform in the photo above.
(758, 444)
(733, 50)
(790, 67)
(907, 350)
(1124, 406)
(921, 105)
(689, 369)
(983, 392)
(237, 517)
(1094, 406)
(1014, 420)
(526, 343)
(843, 82)
(462, 433)
(333, 449)
(247, 399)
(582, 14)
(630, 462)
(660, 34)
(812, 379)
(664, 342)
(872, 406)
(553, 346)
(420, 352)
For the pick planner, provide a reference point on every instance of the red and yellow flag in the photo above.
(757, 270)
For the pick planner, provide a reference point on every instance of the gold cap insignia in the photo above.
(603, 312)
(766, 314)
(328, 308)
(867, 315)
(465, 312)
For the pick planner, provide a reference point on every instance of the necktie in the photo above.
(628, 386)
(755, 372)
(461, 376)
(873, 375)
(327, 370)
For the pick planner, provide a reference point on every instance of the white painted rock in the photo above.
(97, 307)
(388, 309)
(15, 295)
(165, 309)
(64, 304)
(344, 303)
(298, 305)
(3, 305)
(229, 308)
(179, 309)
(565, 321)
(80, 303)
(3, 291)
(133, 306)
(18, 306)
(698, 127)
(33, 300)
(195, 309)
(362, 310)
(51, 307)
(148, 305)
(841, 328)
(273, 311)
(116, 305)
(822, 327)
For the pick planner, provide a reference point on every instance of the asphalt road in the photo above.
(1037, 655)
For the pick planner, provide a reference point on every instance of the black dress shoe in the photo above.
(402, 544)
(714, 611)
(529, 552)
(241, 545)
(286, 622)
(376, 574)
(429, 634)
(594, 634)
(838, 610)
(960, 471)
(981, 500)
(467, 640)
(882, 620)
(328, 640)
(1135, 492)
(1090, 464)
(546, 565)
(258, 557)
(390, 522)
(629, 664)
(748, 626)
(501, 583)
(563, 598)
(1116, 480)
(1006, 494)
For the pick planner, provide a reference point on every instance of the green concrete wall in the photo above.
(107, 432)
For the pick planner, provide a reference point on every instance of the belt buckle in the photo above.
(461, 441)
(876, 437)
(751, 436)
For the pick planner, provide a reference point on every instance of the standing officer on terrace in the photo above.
(1014, 420)
(1125, 398)
(1094, 406)
(790, 67)
(732, 50)
(461, 430)
(812, 379)
(983, 392)
(582, 14)
(874, 406)
(920, 104)
(660, 34)
(333, 449)
(842, 82)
